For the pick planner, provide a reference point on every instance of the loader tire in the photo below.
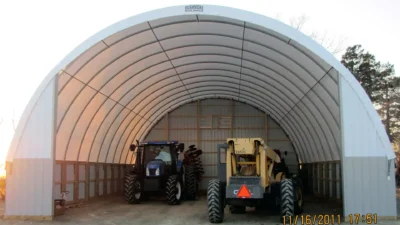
(215, 201)
(299, 204)
(191, 183)
(237, 209)
(173, 190)
(287, 203)
(132, 189)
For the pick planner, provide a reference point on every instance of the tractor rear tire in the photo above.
(132, 189)
(237, 209)
(215, 201)
(287, 203)
(173, 190)
(191, 182)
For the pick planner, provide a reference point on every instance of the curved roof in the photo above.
(116, 85)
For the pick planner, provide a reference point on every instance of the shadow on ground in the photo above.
(114, 211)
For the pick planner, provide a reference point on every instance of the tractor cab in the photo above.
(160, 158)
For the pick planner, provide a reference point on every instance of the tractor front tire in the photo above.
(173, 190)
(215, 201)
(132, 189)
(287, 203)
(190, 182)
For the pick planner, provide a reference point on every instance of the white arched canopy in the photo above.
(120, 82)
(112, 89)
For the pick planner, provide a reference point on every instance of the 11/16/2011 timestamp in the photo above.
(368, 218)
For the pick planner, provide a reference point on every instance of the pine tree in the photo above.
(380, 84)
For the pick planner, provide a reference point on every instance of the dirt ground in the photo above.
(114, 211)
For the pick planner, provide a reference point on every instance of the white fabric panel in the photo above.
(110, 54)
(315, 58)
(207, 50)
(144, 70)
(125, 33)
(105, 147)
(198, 28)
(74, 147)
(204, 59)
(149, 83)
(172, 20)
(360, 138)
(139, 94)
(331, 86)
(330, 106)
(66, 98)
(279, 74)
(201, 40)
(101, 133)
(305, 132)
(126, 155)
(70, 120)
(327, 119)
(132, 59)
(294, 140)
(114, 151)
(166, 103)
(85, 57)
(63, 79)
(202, 66)
(281, 52)
(322, 130)
(210, 72)
(268, 31)
(38, 137)
(266, 66)
(220, 19)
(265, 89)
(93, 128)
(155, 99)
(123, 139)
(272, 81)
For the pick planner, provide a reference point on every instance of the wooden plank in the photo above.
(166, 126)
(96, 187)
(76, 181)
(198, 125)
(87, 182)
(63, 177)
(105, 180)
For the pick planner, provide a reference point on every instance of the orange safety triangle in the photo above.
(244, 192)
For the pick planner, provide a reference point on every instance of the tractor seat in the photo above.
(248, 171)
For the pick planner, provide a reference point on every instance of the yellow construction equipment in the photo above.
(253, 175)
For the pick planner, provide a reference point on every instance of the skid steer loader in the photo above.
(246, 177)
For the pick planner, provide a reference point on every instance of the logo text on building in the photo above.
(194, 8)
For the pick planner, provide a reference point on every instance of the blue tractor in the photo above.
(159, 169)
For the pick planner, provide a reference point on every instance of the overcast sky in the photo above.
(36, 35)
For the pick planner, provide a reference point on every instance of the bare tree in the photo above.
(335, 45)
(298, 22)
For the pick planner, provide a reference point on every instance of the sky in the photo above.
(36, 35)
